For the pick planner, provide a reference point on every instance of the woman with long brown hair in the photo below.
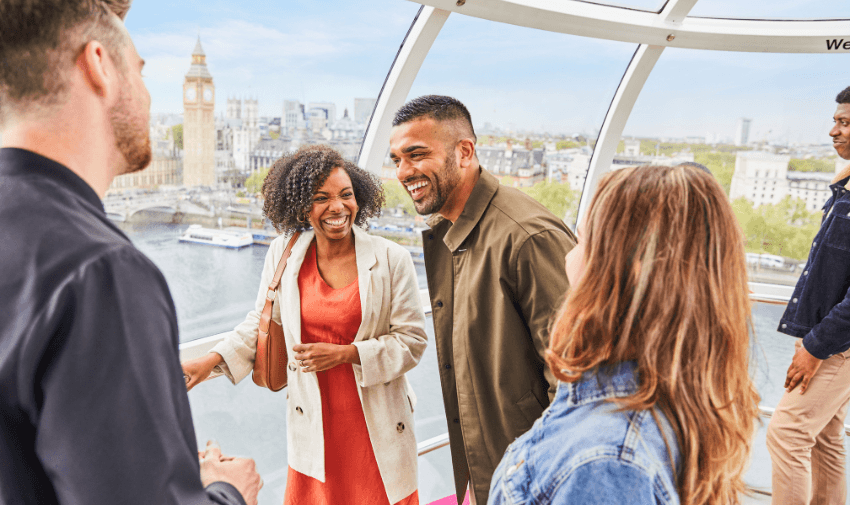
(651, 346)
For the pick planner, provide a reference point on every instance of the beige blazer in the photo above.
(391, 340)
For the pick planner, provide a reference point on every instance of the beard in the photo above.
(442, 186)
(132, 134)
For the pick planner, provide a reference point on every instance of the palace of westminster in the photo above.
(230, 147)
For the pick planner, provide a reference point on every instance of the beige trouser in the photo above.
(805, 438)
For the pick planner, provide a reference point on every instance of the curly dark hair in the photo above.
(294, 179)
(844, 96)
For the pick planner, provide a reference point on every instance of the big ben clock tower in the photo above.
(198, 122)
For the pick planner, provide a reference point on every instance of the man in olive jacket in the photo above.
(494, 258)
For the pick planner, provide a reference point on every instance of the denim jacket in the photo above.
(583, 451)
(819, 309)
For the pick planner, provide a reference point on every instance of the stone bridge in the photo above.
(123, 209)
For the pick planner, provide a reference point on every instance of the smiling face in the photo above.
(425, 166)
(840, 132)
(334, 207)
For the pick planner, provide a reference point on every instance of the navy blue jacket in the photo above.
(819, 309)
(93, 407)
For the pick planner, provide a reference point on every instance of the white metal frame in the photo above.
(427, 25)
(653, 31)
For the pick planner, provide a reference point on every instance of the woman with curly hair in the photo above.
(651, 346)
(350, 311)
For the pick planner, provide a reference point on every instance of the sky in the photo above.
(512, 77)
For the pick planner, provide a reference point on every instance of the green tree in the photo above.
(254, 182)
(722, 165)
(812, 165)
(784, 229)
(558, 197)
(396, 197)
(177, 130)
(566, 144)
(274, 135)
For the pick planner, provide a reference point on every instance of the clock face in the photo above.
(190, 94)
(208, 94)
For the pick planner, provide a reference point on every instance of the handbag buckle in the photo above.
(270, 295)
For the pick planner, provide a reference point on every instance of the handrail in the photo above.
(432, 444)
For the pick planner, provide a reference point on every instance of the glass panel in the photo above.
(239, 419)
(760, 123)
(537, 100)
(327, 65)
(799, 9)
(772, 353)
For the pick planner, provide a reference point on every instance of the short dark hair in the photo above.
(293, 180)
(844, 96)
(437, 107)
(39, 41)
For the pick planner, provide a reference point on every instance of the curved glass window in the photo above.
(760, 123)
(804, 9)
(537, 100)
(328, 64)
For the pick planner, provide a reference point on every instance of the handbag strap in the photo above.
(266, 314)
(282, 264)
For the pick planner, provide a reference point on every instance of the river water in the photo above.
(213, 288)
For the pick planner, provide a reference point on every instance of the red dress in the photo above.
(351, 472)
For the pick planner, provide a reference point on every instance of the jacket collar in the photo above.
(474, 208)
(366, 258)
(14, 161)
(365, 251)
(606, 382)
(839, 185)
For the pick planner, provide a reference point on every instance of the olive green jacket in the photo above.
(495, 278)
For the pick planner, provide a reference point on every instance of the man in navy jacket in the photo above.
(93, 406)
(806, 433)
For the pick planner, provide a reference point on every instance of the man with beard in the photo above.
(93, 406)
(494, 259)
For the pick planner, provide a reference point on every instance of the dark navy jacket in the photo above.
(93, 407)
(819, 309)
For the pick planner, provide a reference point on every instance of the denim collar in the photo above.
(839, 185)
(608, 381)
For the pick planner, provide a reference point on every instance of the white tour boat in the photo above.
(221, 238)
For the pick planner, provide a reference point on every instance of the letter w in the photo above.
(835, 44)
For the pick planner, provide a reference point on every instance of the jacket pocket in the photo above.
(838, 233)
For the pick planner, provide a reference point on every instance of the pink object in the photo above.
(451, 500)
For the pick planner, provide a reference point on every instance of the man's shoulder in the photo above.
(511, 210)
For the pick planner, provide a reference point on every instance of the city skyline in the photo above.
(512, 77)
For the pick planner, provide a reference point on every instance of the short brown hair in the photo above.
(39, 41)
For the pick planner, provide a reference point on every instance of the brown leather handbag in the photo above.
(270, 362)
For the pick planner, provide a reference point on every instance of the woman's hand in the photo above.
(319, 357)
(197, 370)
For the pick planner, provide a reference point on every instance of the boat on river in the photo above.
(222, 238)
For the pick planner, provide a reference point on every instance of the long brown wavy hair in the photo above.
(665, 285)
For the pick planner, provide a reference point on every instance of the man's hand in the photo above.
(197, 370)
(321, 356)
(240, 472)
(801, 371)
